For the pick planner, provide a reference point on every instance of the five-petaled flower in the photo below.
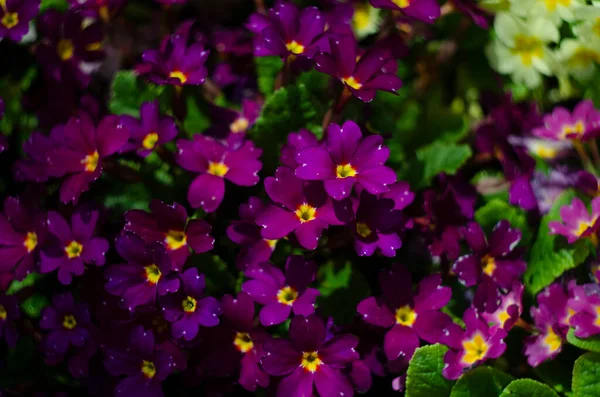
(582, 124)
(577, 221)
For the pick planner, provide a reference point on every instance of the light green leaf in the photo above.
(441, 157)
(267, 69)
(527, 388)
(496, 210)
(33, 306)
(586, 376)
(424, 376)
(16, 286)
(196, 120)
(60, 5)
(592, 344)
(481, 382)
(128, 92)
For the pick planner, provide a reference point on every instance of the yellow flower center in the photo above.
(570, 313)
(189, 304)
(543, 150)
(552, 4)
(74, 249)
(3, 313)
(577, 129)
(351, 82)
(148, 369)
(150, 141)
(552, 340)
(294, 47)
(10, 20)
(239, 125)
(176, 74)
(597, 322)
(69, 322)
(94, 46)
(475, 349)
(362, 229)
(502, 317)
(65, 49)
(584, 226)
(90, 162)
(311, 361)
(287, 295)
(217, 169)
(584, 57)
(31, 241)
(402, 3)
(489, 265)
(528, 47)
(104, 13)
(306, 213)
(271, 243)
(405, 315)
(345, 171)
(153, 274)
(361, 19)
(175, 239)
(243, 342)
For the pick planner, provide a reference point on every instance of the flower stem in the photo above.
(525, 325)
(585, 160)
(595, 153)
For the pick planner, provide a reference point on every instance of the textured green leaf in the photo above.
(60, 5)
(33, 306)
(496, 210)
(128, 93)
(196, 120)
(441, 157)
(586, 376)
(481, 382)
(592, 344)
(424, 376)
(16, 286)
(527, 388)
(267, 69)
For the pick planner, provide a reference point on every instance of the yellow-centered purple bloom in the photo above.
(15, 16)
(423, 10)
(577, 221)
(150, 131)
(585, 306)
(67, 323)
(582, 124)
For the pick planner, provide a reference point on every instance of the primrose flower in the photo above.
(423, 10)
(579, 58)
(348, 158)
(67, 323)
(308, 359)
(587, 30)
(215, 161)
(296, 141)
(409, 318)
(495, 258)
(301, 207)
(9, 314)
(150, 131)
(585, 309)
(105, 9)
(82, 151)
(15, 16)
(37, 167)
(23, 231)
(577, 221)
(144, 364)
(553, 10)
(473, 346)
(582, 124)
(588, 183)
(366, 19)
(146, 275)
(363, 77)
(69, 247)
(169, 226)
(231, 125)
(509, 308)
(521, 48)
(279, 293)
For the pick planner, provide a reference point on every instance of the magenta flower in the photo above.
(424, 10)
(295, 143)
(69, 247)
(496, 258)
(581, 125)
(9, 314)
(409, 318)
(363, 77)
(300, 207)
(585, 306)
(347, 159)
(231, 125)
(279, 293)
(37, 166)
(473, 346)
(82, 151)
(497, 307)
(308, 359)
(169, 226)
(215, 161)
(67, 323)
(15, 16)
(150, 131)
(105, 9)
(588, 183)
(577, 221)
(22, 233)
(146, 275)
(480, 16)
(188, 309)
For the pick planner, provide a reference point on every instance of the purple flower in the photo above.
(188, 309)
(22, 233)
(231, 125)
(588, 183)
(105, 9)
(279, 293)
(68, 44)
(82, 150)
(496, 258)
(348, 158)
(409, 318)
(146, 275)
(581, 125)
(363, 77)
(501, 309)
(548, 187)
(79, 356)
(308, 359)
(480, 16)
(302, 208)
(69, 247)
(295, 143)
(150, 130)
(144, 364)
(578, 222)
(9, 313)
(15, 16)
(214, 161)
(246, 233)
(235, 41)
(473, 346)
(169, 225)
(424, 10)
(585, 306)
(67, 323)
(288, 32)
(37, 166)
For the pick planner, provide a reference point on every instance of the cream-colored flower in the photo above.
(520, 48)
(554, 10)
(365, 20)
(589, 27)
(579, 58)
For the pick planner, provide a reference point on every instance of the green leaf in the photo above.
(60, 5)
(424, 375)
(28, 281)
(496, 210)
(267, 69)
(136, 196)
(481, 382)
(440, 157)
(196, 120)
(550, 255)
(33, 306)
(592, 344)
(586, 376)
(127, 93)
(527, 388)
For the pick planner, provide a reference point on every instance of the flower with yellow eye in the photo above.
(150, 131)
